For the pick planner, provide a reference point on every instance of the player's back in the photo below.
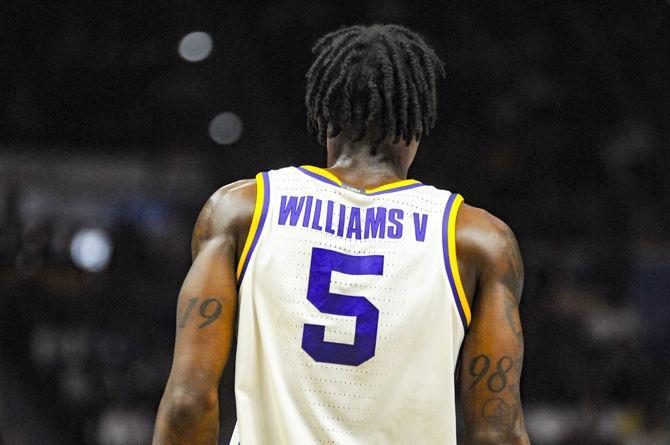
(351, 313)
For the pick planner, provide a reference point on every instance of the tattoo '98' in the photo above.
(497, 380)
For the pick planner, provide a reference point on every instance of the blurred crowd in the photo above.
(553, 118)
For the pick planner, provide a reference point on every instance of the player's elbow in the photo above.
(182, 408)
(513, 437)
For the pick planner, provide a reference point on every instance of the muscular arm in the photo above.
(492, 353)
(206, 308)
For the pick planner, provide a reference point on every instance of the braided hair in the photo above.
(379, 78)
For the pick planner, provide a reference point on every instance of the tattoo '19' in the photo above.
(212, 316)
(210, 309)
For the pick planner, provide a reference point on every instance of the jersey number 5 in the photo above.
(324, 262)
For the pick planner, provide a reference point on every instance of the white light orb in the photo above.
(225, 128)
(195, 46)
(91, 249)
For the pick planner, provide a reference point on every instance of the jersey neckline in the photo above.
(324, 175)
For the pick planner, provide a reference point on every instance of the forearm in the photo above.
(498, 438)
(492, 408)
(182, 418)
(496, 418)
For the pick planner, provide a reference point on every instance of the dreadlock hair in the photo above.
(379, 78)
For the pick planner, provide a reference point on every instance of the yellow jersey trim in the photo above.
(453, 261)
(322, 172)
(382, 188)
(260, 198)
(393, 185)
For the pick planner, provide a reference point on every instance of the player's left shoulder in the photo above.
(476, 228)
(485, 243)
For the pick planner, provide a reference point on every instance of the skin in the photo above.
(189, 409)
(491, 271)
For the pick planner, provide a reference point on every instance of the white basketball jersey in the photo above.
(351, 313)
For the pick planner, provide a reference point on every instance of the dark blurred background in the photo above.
(118, 119)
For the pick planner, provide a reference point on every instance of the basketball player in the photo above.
(352, 289)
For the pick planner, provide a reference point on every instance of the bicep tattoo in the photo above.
(512, 278)
(512, 321)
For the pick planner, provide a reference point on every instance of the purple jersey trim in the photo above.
(447, 262)
(261, 222)
(317, 176)
(381, 192)
(397, 189)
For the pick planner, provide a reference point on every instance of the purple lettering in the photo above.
(375, 222)
(308, 211)
(354, 227)
(420, 226)
(329, 217)
(317, 215)
(290, 208)
(395, 218)
(340, 224)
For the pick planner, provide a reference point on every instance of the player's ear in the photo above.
(411, 147)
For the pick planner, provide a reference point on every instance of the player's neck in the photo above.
(365, 165)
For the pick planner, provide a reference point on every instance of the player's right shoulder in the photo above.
(227, 213)
(233, 201)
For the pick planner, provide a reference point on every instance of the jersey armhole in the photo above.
(450, 261)
(257, 223)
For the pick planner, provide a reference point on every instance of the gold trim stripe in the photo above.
(260, 197)
(453, 261)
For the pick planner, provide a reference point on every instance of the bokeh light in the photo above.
(225, 128)
(91, 249)
(195, 46)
